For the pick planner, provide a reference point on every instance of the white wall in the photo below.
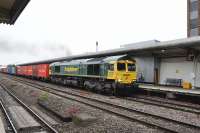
(177, 68)
(197, 79)
(145, 65)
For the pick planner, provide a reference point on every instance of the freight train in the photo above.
(113, 74)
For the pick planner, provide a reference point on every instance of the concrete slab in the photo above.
(22, 119)
(175, 90)
(7, 99)
(2, 129)
(83, 119)
(45, 116)
(62, 108)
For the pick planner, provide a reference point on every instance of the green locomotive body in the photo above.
(106, 74)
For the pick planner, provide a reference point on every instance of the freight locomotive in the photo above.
(113, 74)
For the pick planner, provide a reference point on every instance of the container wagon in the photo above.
(28, 71)
(11, 69)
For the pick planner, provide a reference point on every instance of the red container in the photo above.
(40, 71)
(35, 71)
(19, 70)
(29, 71)
(43, 71)
(23, 70)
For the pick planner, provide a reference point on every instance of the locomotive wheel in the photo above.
(99, 87)
(86, 87)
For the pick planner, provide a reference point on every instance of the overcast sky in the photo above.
(56, 28)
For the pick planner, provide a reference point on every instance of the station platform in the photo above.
(169, 89)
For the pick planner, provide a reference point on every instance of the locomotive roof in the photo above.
(72, 62)
(92, 60)
(115, 58)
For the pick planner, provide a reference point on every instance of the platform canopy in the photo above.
(11, 9)
(174, 48)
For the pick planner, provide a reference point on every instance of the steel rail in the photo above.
(43, 88)
(191, 109)
(163, 104)
(167, 102)
(29, 109)
(188, 108)
(8, 117)
(145, 98)
(185, 108)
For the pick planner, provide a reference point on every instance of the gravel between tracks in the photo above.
(168, 101)
(105, 122)
(152, 109)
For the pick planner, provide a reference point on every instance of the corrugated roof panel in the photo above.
(11, 9)
(6, 4)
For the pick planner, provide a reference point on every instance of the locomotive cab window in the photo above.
(121, 67)
(131, 67)
(57, 69)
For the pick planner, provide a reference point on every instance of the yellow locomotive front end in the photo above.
(123, 72)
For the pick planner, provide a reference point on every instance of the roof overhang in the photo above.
(11, 9)
(174, 48)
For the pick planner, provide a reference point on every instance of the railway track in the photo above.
(132, 114)
(165, 104)
(176, 103)
(8, 119)
(157, 102)
(45, 124)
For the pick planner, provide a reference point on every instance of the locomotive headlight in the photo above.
(119, 80)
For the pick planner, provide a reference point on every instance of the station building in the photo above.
(169, 66)
(193, 17)
(160, 63)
